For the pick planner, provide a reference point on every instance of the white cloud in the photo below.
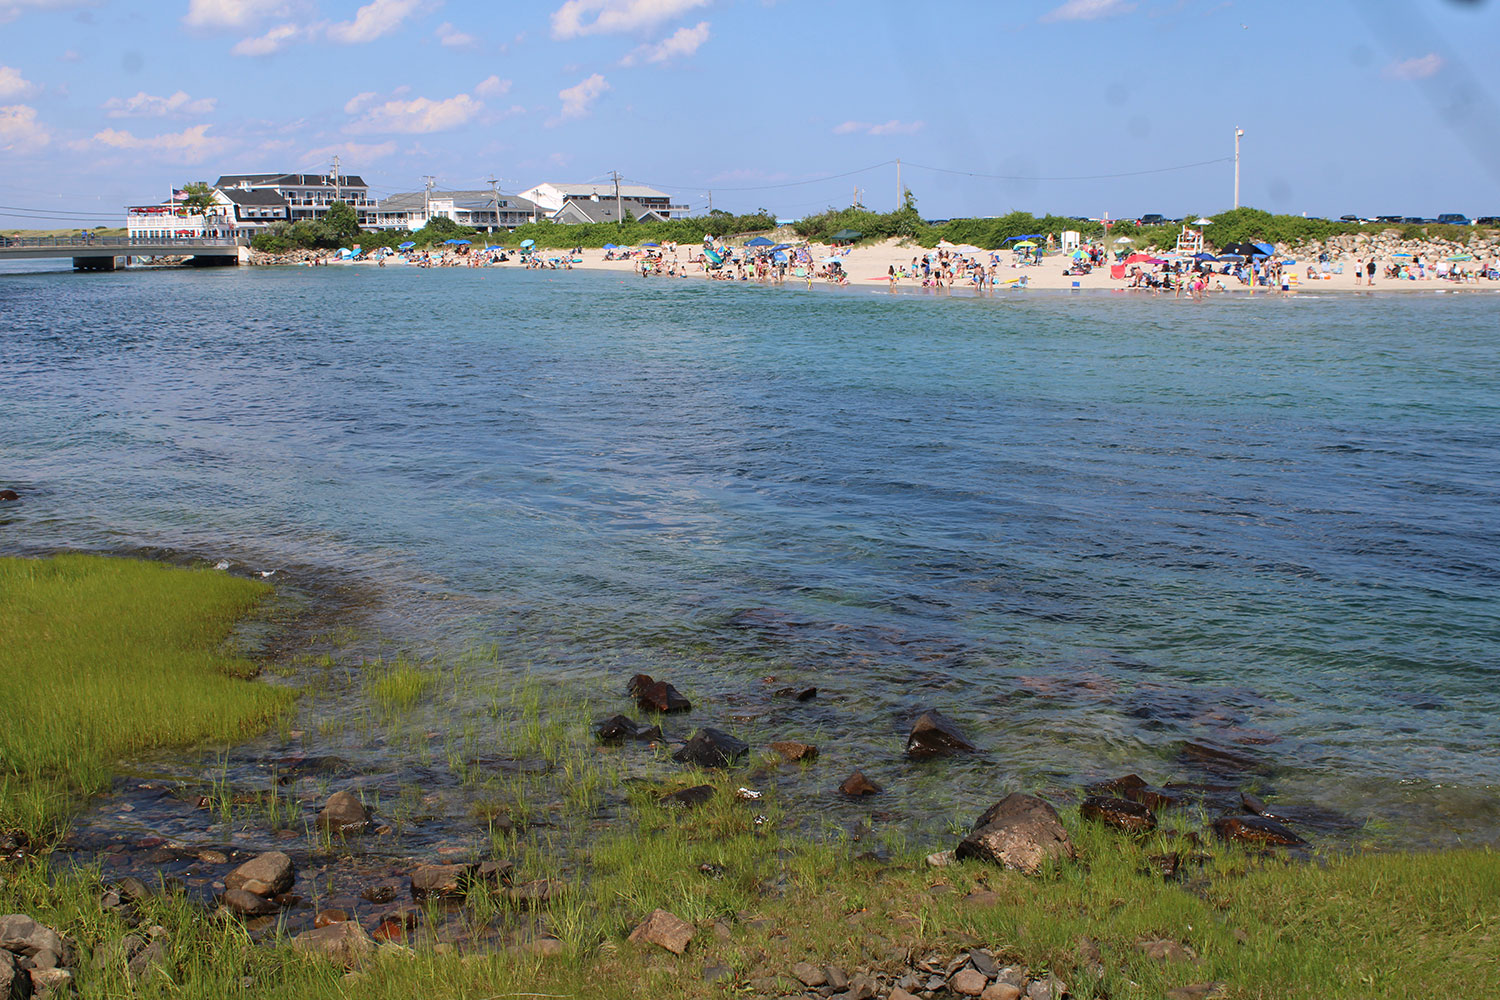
(144, 105)
(1088, 10)
(191, 145)
(13, 84)
(492, 86)
(359, 102)
(453, 38)
(681, 43)
(230, 13)
(892, 127)
(354, 152)
(19, 129)
(418, 115)
(1416, 69)
(376, 18)
(579, 98)
(601, 17)
(272, 41)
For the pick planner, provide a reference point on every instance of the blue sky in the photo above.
(1069, 106)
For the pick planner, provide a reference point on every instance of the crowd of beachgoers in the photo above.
(896, 265)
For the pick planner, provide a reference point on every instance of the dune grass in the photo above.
(106, 657)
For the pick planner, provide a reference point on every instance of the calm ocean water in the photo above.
(1086, 527)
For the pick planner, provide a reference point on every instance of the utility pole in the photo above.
(619, 213)
(338, 191)
(710, 203)
(427, 199)
(900, 192)
(495, 197)
(1237, 133)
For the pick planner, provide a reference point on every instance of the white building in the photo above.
(307, 196)
(552, 196)
(476, 209)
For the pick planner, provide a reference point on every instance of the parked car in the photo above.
(1152, 219)
(1453, 219)
(1349, 218)
(1487, 220)
(1388, 218)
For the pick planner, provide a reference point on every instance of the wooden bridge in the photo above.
(106, 253)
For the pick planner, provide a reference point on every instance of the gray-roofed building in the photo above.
(552, 195)
(307, 195)
(476, 209)
(603, 210)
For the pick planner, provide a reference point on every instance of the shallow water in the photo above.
(1086, 527)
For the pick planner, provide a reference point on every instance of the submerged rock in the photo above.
(804, 694)
(791, 750)
(1135, 788)
(934, 734)
(1256, 830)
(442, 881)
(695, 796)
(1132, 817)
(9, 495)
(622, 727)
(344, 814)
(1021, 832)
(657, 696)
(247, 904)
(1219, 760)
(264, 875)
(857, 784)
(711, 747)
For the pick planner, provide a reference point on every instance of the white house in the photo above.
(551, 196)
(485, 210)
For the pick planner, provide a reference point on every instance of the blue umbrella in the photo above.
(782, 246)
(759, 241)
(610, 246)
(1203, 256)
(464, 243)
(528, 243)
(779, 256)
(405, 246)
(650, 244)
(450, 242)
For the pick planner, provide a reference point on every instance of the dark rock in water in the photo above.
(1220, 760)
(1132, 817)
(857, 784)
(379, 894)
(248, 904)
(622, 727)
(1021, 832)
(695, 796)
(332, 915)
(442, 881)
(803, 694)
(934, 734)
(9, 495)
(791, 750)
(657, 696)
(1135, 788)
(263, 875)
(1257, 807)
(1256, 830)
(538, 892)
(344, 814)
(711, 747)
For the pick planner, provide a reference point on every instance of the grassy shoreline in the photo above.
(760, 896)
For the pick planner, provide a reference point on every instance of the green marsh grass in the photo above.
(105, 658)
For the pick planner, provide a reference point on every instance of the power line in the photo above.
(764, 187)
(1079, 177)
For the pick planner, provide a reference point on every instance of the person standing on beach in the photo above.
(1359, 270)
(1370, 272)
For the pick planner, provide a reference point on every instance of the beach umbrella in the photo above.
(782, 246)
(1203, 222)
(1231, 258)
(650, 244)
(1459, 257)
(1403, 255)
(1025, 245)
(759, 241)
(464, 243)
(1078, 254)
(528, 243)
(779, 256)
(1203, 256)
(1124, 239)
(405, 246)
(845, 235)
(610, 246)
(831, 260)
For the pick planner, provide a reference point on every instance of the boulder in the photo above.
(968, 982)
(619, 728)
(1132, 817)
(933, 734)
(664, 930)
(1001, 991)
(344, 814)
(9, 495)
(42, 945)
(657, 696)
(1021, 832)
(811, 976)
(264, 875)
(345, 942)
(1166, 950)
(15, 984)
(711, 747)
(804, 694)
(1134, 788)
(857, 785)
(1256, 830)
(51, 982)
(537, 892)
(791, 750)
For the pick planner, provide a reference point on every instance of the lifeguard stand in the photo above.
(1189, 241)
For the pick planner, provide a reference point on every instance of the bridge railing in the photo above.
(120, 242)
